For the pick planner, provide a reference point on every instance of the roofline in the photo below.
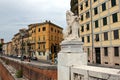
(46, 22)
(17, 34)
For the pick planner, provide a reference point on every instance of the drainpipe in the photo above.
(92, 30)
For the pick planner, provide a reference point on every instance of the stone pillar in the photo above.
(71, 54)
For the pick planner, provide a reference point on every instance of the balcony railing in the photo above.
(32, 42)
(43, 41)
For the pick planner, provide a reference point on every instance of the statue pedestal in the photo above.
(71, 54)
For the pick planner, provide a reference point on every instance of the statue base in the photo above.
(71, 54)
(72, 46)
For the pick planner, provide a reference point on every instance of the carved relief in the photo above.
(78, 77)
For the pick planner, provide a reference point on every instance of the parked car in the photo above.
(33, 58)
(15, 56)
(11, 55)
(19, 56)
(24, 57)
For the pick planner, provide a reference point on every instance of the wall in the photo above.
(4, 73)
(33, 72)
(94, 73)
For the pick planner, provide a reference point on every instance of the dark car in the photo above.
(33, 58)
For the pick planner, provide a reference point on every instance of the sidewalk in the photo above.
(39, 63)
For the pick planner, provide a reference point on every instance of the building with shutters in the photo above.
(45, 39)
(100, 30)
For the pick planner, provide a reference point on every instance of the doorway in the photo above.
(98, 56)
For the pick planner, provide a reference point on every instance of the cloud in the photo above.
(16, 14)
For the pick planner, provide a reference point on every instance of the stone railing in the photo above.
(94, 73)
(33, 72)
(72, 64)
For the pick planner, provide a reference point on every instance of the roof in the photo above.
(16, 34)
(46, 22)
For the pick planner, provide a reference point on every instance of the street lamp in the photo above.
(22, 33)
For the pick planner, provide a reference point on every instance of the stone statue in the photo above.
(72, 31)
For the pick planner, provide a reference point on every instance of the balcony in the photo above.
(40, 42)
(31, 50)
(32, 42)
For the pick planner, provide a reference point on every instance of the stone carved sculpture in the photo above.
(72, 31)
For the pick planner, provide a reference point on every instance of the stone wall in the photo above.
(4, 73)
(34, 72)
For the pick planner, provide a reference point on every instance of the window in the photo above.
(88, 51)
(51, 29)
(88, 14)
(81, 17)
(39, 53)
(116, 64)
(39, 30)
(96, 24)
(104, 21)
(106, 62)
(44, 29)
(113, 3)
(43, 46)
(95, 0)
(44, 53)
(116, 51)
(82, 39)
(106, 36)
(82, 28)
(105, 51)
(38, 38)
(103, 6)
(81, 7)
(115, 18)
(58, 31)
(86, 3)
(88, 39)
(38, 46)
(88, 27)
(95, 11)
(116, 34)
(97, 37)
(43, 38)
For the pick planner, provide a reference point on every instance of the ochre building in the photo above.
(45, 39)
(100, 30)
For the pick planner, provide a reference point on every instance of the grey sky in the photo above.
(16, 14)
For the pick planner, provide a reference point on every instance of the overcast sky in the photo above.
(17, 14)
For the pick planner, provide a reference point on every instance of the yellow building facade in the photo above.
(19, 43)
(16, 44)
(45, 40)
(100, 30)
(9, 48)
